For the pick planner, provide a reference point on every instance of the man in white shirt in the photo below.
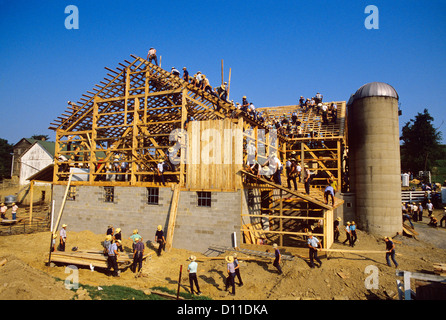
(276, 168)
(151, 55)
(160, 171)
(430, 208)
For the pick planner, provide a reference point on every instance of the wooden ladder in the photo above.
(172, 217)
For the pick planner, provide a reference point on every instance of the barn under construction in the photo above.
(110, 144)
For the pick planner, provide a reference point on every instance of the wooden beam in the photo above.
(172, 217)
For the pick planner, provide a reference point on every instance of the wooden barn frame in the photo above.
(141, 114)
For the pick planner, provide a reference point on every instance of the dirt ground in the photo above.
(343, 276)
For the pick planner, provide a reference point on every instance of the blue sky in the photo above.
(277, 51)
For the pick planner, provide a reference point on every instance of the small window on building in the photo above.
(153, 195)
(349, 205)
(71, 193)
(204, 198)
(109, 194)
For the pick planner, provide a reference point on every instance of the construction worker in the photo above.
(354, 236)
(314, 246)
(230, 280)
(329, 192)
(307, 179)
(278, 258)
(443, 218)
(185, 74)
(112, 258)
(151, 55)
(138, 253)
(107, 242)
(133, 237)
(237, 269)
(336, 229)
(160, 171)
(390, 251)
(175, 71)
(63, 237)
(159, 238)
(14, 209)
(192, 269)
(3, 209)
(348, 234)
(118, 236)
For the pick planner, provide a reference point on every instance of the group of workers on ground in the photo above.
(414, 212)
(112, 247)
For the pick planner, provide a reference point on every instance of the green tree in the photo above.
(40, 136)
(5, 158)
(421, 144)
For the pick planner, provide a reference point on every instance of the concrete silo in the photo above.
(374, 158)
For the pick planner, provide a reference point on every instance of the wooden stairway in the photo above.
(316, 196)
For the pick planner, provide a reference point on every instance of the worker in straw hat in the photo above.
(390, 251)
(14, 209)
(138, 252)
(134, 236)
(230, 280)
(118, 236)
(159, 238)
(336, 229)
(3, 209)
(314, 246)
(192, 269)
(62, 237)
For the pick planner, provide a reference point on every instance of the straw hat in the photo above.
(118, 230)
(159, 227)
(274, 245)
(135, 231)
(108, 237)
(338, 218)
(348, 222)
(229, 259)
(192, 258)
(64, 225)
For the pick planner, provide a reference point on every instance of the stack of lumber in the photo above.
(251, 235)
(94, 258)
(440, 269)
(408, 230)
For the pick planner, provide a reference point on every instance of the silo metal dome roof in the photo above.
(374, 89)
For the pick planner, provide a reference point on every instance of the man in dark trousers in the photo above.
(336, 229)
(112, 258)
(237, 270)
(159, 238)
(278, 258)
(138, 252)
(314, 245)
(390, 251)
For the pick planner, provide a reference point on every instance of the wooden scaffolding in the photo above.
(141, 114)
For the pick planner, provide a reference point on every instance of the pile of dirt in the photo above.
(19, 281)
(342, 276)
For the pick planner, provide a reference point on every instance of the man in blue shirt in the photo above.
(112, 258)
(192, 269)
(329, 192)
(313, 244)
(230, 280)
